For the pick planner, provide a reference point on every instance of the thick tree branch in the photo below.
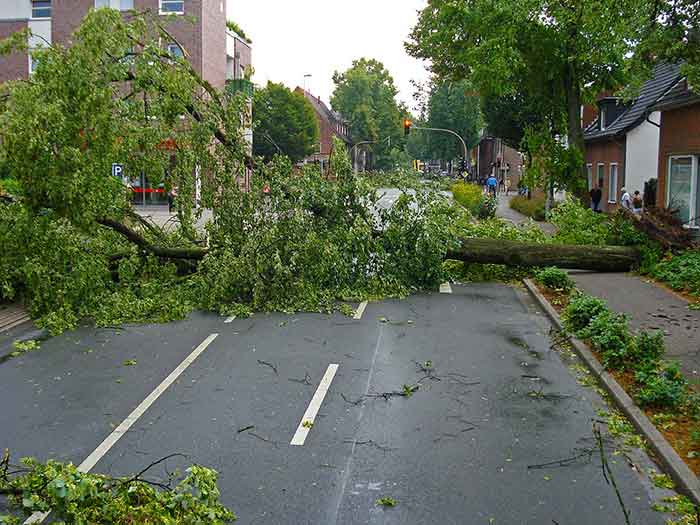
(158, 251)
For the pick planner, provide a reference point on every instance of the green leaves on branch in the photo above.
(77, 497)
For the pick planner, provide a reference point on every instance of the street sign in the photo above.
(118, 170)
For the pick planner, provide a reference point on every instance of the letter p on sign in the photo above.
(117, 170)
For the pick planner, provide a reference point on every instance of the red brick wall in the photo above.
(66, 16)
(607, 152)
(680, 135)
(16, 65)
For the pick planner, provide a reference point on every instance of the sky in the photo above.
(292, 38)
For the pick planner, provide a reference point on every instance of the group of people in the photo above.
(635, 203)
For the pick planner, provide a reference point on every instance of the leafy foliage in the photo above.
(78, 497)
(577, 224)
(581, 310)
(365, 95)
(681, 272)
(555, 279)
(534, 207)
(663, 388)
(610, 334)
(468, 195)
(284, 119)
(233, 26)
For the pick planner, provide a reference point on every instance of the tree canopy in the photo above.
(365, 94)
(555, 52)
(285, 123)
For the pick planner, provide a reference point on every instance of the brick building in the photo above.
(679, 153)
(331, 124)
(216, 53)
(493, 156)
(622, 142)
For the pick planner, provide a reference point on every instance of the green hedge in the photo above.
(534, 207)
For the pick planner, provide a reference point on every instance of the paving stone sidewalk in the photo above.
(651, 307)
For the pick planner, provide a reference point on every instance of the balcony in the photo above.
(240, 85)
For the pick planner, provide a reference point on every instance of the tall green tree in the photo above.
(454, 106)
(559, 52)
(365, 94)
(672, 34)
(285, 123)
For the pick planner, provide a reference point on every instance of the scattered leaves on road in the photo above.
(386, 501)
(130, 362)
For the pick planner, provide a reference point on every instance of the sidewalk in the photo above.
(504, 211)
(651, 307)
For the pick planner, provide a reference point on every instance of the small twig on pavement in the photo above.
(137, 477)
(348, 401)
(371, 443)
(265, 363)
(263, 438)
(611, 480)
(588, 453)
(305, 381)
(245, 429)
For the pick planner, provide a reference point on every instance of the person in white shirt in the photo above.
(626, 200)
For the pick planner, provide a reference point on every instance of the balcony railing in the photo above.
(240, 85)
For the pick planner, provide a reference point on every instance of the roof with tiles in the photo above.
(664, 77)
(325, 112)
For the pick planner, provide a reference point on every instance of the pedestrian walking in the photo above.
(172, 194)
(596, 196)
(626, 200)
(492, 185)
(637, 203)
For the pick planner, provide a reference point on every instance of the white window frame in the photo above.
(694, 160)
(50, 8)
(589, 173)
(123, 8)
(160, 7)
(603, 111)
(102, 3)
(612, 189)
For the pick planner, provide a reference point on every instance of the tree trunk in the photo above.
(513, 253)
(572, 89)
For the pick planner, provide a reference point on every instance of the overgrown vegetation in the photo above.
(555, 279)
(77, 497)
(473, 198)
(534, 207)
(295, 240)
(656, 383)
(681, 272)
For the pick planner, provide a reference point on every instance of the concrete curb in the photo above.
(686, 481)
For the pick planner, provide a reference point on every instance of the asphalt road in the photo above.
(496, 400)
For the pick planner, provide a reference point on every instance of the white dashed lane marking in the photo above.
(307, 422)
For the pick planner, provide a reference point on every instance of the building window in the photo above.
(682, 188)
(612, 184)
(101, 3)
(41, 8)
(172, 7)
(175, 50)
(122, 5)
(33, 63)
(589, 173)
(126, 5)
(602, 119)
(601, 175)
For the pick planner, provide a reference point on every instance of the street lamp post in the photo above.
(464, 144)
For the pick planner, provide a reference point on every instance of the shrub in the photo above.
(533, 207)
(581, 310)
(488, 207)
(663, 388)
(648, 348)
(609, 333)
(578, 224)
(555, 279)
(468, 195)
(681, 272)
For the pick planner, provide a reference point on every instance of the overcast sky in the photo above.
(292, 38)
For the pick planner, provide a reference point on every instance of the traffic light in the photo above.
(407, 127)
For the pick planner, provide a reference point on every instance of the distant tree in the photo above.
(365, 94)
(283, 119)
(454, 106)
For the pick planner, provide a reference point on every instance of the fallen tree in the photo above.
(514, 253)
